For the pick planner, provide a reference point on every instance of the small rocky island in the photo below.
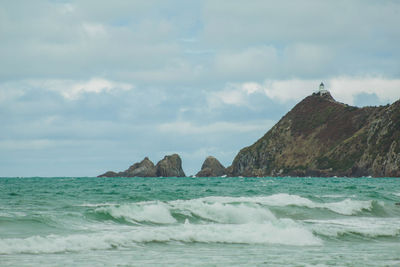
(212, 168)
(169, 166)
(318, 137)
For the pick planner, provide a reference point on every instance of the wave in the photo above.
(335, 196)
(154, 212)
(235, 210)
(344, 207)
(286, 232)
(364, 226)
(11, 214)
(235, 213)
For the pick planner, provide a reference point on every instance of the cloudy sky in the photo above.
(90, 86)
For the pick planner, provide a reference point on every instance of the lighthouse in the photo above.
(322, 89)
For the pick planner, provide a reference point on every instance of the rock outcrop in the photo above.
(322, 137)
(170, 166)
(211, 168)
(109, 174)
(145, 168)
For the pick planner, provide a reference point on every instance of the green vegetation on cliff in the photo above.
(322, 137)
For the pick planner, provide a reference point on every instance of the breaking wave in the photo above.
(344, 207)
(154, 212)
(286, 232)
(362, 226)
(230, 220)
(235, 210)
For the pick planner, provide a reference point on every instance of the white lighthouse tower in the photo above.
(322, 89)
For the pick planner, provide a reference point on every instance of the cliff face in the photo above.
(170, 166)
(145, 168)
(322, 137)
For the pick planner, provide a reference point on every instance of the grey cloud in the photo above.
(179, 56)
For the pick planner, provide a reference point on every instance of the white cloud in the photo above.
(285, 90)
(94, 29)
(251, 87)
(67, 8)
(251, 62)
(233, 94)
(186, 127)
(72, 90)
(344, 89)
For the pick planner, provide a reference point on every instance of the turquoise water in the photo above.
(199, 222)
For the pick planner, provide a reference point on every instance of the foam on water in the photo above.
(364, 226)
(344, 207)
(285, 232)
(224, 212)
(246, 222)
(234, 210)
(155, 212)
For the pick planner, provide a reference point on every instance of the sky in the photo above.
(90, 86)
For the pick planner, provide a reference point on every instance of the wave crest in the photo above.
(285, 232)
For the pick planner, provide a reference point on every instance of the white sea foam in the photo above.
(12, 214)
(90, 205)
(236, 210)
(156, 212)
(285, 232)
(345, 207)
(366, 226)
(397, 194)
(224, 212)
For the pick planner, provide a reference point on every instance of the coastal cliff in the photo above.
(323, 137)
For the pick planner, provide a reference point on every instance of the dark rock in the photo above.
(322, 137)
(145, 168)
(170, 166)
(211, 168)
(109, 174)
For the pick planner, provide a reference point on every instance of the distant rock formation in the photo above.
(318, 137)
(322, 137)
(145, 168)
(170, 166)
(211, 168)
(109, 174)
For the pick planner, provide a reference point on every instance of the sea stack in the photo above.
(145, 168)
(211, 168)
(170, 166)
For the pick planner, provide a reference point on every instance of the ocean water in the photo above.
(199, 222)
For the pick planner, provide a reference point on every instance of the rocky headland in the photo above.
(323, 137)
(318, 137)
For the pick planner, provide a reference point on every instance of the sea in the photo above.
(279, 221)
